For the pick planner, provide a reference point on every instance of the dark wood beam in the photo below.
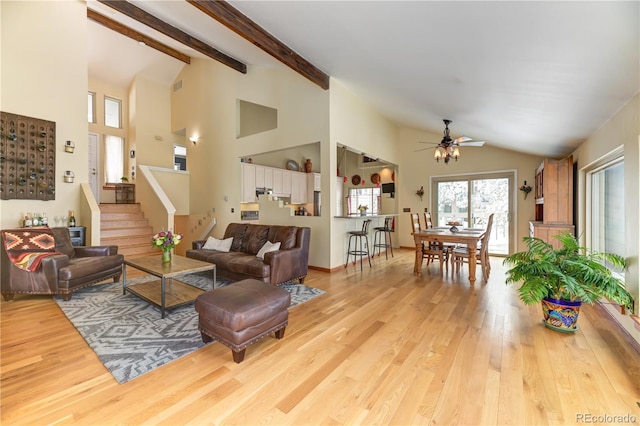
(233, 19)
(131, 33)
(151, 21)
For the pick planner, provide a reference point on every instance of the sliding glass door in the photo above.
(470, 200)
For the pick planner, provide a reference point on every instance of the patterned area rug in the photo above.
(129, 335)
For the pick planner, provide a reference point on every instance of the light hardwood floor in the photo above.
(381, 346)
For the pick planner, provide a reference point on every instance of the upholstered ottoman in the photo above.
(242, 313)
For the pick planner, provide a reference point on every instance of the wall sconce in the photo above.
(69, 147)
(193, 139)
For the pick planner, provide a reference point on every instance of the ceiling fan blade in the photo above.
(431, 143)
(463, 139)
(472, 143)
(422, 149)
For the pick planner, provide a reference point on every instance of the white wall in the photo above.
(357, 125)
(44, 75)
(417, 168)
(206, 107)
(102, 89)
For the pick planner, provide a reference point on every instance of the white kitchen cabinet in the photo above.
(260, 177)
(298, 188)
(248, 183)
(313, 185)
(277, 181)
(317, 182)
(286, 182)
(268, 177)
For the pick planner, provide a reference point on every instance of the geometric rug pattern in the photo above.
(129, 335)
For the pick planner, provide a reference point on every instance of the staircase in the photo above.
(125, 226)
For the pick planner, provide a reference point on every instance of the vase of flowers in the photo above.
(363, 210)
(420, 192)
(166, 241)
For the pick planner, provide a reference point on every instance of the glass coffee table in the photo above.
(167, 292)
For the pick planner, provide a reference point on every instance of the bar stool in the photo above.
(386, 234)
(359, 236)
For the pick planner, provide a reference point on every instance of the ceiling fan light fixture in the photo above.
(456, 152)
(437, 154)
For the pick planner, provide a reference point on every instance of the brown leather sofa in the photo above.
(64, 270)
(240, 262)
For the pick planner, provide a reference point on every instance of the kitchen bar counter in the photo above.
(367, 216)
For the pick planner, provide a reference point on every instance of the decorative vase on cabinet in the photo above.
(308, 166)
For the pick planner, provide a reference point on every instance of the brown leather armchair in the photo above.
(63, 271)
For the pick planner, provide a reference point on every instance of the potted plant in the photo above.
(563, 278)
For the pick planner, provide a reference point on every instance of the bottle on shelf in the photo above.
(45, 219)
(34, 220)
(27, 220)
(72, 219)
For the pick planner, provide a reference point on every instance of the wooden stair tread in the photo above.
(125, 226)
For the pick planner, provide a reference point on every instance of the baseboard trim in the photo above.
(634, 343)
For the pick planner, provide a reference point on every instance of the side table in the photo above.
(77, 234)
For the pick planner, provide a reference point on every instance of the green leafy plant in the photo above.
(570, 272)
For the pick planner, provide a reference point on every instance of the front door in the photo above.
(93, 165)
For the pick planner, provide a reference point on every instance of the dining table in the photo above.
(451, 235)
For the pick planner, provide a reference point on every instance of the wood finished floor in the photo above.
(379, 347)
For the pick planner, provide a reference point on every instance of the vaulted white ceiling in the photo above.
(537, 77)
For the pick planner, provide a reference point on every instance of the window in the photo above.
(91, 107)
(470, 199)
(112, 112)
(369, 197)
(114, 158)
(179, 157)
(607, 207)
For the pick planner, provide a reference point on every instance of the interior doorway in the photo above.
(470, 199)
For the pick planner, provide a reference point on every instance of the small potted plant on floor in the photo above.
(563, 278)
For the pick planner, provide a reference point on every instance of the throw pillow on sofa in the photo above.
(267, 247)
(219, 245)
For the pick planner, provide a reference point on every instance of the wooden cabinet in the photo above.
(553, 190)
(248, 183)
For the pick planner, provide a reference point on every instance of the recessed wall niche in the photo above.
(27, 158)
(254, 118)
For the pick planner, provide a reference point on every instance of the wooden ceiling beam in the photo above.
(139, 37)
(151, 21)
(233, 19)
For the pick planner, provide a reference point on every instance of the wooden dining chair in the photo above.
(460, 255)
(433, 251)
(448, 247)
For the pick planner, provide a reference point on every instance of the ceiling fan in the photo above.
(448, 148)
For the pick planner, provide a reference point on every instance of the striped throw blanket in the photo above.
(26, 247)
